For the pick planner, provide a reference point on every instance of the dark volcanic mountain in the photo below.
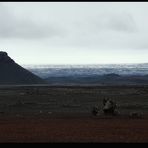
(12, 73)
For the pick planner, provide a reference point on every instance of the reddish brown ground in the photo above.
(77, 129)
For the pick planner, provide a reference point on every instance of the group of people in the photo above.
(109, 107)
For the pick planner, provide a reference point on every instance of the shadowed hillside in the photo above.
(12, 73)
(106, 79)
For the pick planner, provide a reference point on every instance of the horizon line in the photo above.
(89, 64)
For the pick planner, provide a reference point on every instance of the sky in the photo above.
(74, 32)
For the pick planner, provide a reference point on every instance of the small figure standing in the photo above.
(95, 110)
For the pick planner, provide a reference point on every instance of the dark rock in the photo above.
(4, 57)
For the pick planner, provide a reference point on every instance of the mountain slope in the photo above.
(12, 73)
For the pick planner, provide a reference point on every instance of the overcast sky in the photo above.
(74, 32)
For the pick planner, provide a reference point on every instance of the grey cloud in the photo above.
(61, 29)
(13, 27)
(123, 22)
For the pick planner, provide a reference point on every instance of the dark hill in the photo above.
(106, 79)
(12, 73)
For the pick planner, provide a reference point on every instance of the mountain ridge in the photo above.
(13, 73)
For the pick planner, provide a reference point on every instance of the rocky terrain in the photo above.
(53, 114)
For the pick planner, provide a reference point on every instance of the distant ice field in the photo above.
(46, 71)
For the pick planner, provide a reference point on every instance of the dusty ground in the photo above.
(73, 129)
(63, 114)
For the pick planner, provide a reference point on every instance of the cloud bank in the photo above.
(63, 32)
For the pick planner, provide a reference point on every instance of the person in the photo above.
(95, 110)
(109, 107)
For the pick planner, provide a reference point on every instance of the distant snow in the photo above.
(45, 71)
